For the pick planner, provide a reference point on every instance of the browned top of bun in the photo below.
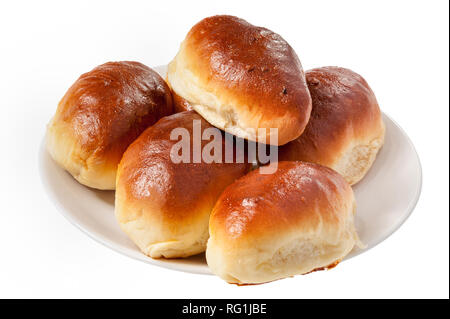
(344, 110)
(254, 68)
(108, 107)
(299, 197)
(149, 178)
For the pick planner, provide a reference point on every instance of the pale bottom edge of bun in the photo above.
(255, 267)
(174, 249)
(225, 119)
(66, 153)
(358, 159)
(156, 238)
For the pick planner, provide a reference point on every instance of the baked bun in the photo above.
(100, 115)
(162, 206)
(345, 130)
(240, 77)
(268, 227)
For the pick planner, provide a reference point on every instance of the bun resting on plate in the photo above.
(242, 78)
(100, 115)
(267, 227)
(162, 205)
(345, 130)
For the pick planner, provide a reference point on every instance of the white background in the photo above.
(400, 47)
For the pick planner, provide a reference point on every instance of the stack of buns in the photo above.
(119, 127)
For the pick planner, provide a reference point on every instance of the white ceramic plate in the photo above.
(385, 198)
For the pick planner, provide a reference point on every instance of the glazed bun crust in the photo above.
(101, 114)
(162, 206)
(268, 227)
(239, 77)
(345, 130)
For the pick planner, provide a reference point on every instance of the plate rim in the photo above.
(205, 270)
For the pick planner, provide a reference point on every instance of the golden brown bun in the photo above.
(101, 114)
(164, 207)
(240, 77)
(268, 227)
(345, 130)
